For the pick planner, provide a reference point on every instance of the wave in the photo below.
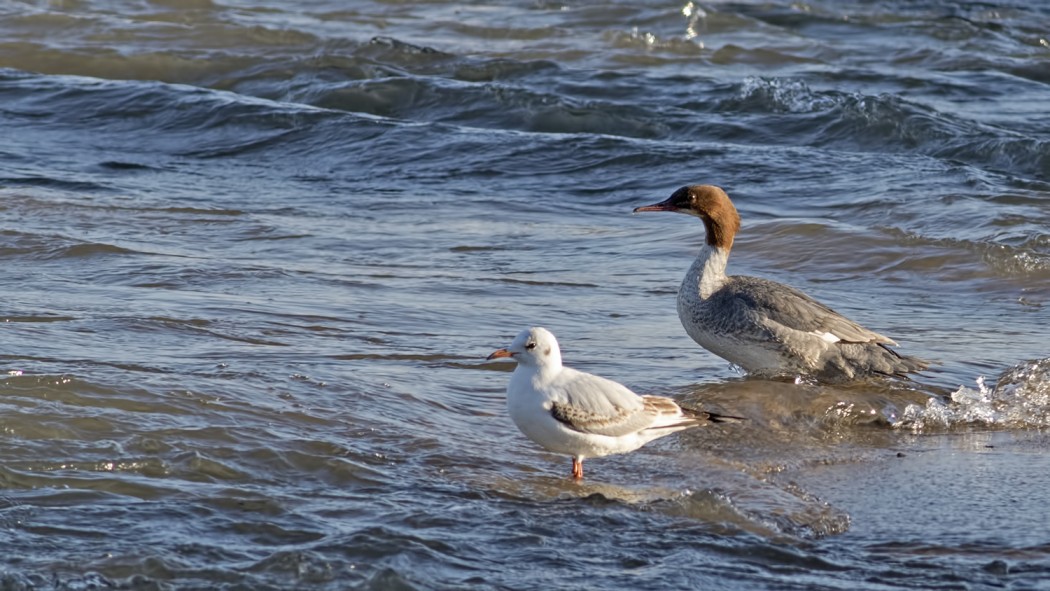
(50, 247)
(261, 104)
(884, 122)
(1020, 398)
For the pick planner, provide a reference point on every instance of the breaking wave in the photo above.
(1020, 398)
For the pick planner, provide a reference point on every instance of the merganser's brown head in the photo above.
(710, 204)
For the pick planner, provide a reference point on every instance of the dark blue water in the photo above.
(255, 255)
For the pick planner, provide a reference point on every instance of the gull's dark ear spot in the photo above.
(547, 352)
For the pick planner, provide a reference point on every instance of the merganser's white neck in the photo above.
(708, 272)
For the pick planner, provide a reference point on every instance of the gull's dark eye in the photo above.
(530, 346)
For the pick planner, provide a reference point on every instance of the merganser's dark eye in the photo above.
(530, 346)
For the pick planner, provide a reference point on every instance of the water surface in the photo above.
(255, 255)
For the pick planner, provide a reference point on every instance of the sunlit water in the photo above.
(254, 256)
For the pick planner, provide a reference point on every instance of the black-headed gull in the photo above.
(583, 415)
(763, 326)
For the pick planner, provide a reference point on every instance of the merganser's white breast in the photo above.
(721, 324)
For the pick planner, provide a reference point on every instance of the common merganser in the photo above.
(765, 327)
(583, 415)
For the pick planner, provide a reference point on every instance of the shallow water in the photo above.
(255, 256)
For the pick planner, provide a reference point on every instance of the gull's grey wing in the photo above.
(592, 404)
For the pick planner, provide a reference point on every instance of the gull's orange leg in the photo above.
(577, 469)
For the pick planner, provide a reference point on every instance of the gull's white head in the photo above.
(534, 346)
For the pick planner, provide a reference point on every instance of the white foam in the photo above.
(1019, 399)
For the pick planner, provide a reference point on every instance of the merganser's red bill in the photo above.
(662, 206)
